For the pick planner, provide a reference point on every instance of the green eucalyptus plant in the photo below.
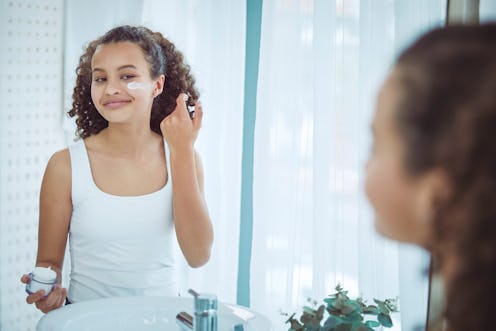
(344, 314)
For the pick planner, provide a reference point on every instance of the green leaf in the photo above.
(331, 322)
(356, 304)
(382, 306)
(348, 309)
(340, 300)
(343, 327)
(320, 311)
(385, 320)
(330, 301)
(372, 310)
(373, 324)
(343, 314)
(309, 310)
(355, 317)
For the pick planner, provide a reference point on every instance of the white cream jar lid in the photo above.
(46, 275)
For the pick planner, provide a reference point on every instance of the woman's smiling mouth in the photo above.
(115, 104)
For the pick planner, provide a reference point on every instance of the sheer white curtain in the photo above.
(211, 35)
(321, 64)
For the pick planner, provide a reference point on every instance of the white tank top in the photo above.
(119, 245)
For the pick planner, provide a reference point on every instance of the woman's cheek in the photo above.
(381, 191)
(370, 182)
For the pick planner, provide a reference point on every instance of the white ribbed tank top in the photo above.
(119, 245)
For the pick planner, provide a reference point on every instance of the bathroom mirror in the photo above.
(43, 43)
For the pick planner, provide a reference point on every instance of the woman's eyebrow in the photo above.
(126, 66)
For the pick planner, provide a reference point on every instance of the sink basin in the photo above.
(143, 313)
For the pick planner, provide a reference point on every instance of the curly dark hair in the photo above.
(446, 117)
(163, 58)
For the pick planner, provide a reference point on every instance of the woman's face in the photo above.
(398, 199)
(122, 89)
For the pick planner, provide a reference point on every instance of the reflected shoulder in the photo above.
(60, 160)
(58, 169)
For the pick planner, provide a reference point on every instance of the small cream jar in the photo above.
(41, 279)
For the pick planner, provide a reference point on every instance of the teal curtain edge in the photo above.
(252, 50)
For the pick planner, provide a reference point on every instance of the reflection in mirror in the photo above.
(42, 42)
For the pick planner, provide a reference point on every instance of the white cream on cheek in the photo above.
(137, 85)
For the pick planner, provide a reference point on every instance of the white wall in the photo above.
(31, 34)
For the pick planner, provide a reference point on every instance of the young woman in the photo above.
(120, 191)
(432, 175)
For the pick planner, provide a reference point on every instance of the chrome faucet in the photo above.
(205, 317)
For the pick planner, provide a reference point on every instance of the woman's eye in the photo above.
(99, 79)
(128, 77)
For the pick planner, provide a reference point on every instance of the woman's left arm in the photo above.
(192, 222)
(191, 219)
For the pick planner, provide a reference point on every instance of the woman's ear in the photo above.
(440, 186)
(435, 188)
(159, 85)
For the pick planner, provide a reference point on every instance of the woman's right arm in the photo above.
(55, 215)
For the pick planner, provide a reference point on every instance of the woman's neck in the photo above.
(128, 141)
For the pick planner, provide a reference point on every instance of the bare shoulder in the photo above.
(58, 169)
(60, 161)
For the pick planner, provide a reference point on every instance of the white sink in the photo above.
(143, 313)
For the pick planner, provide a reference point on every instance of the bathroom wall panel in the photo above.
(31, 112)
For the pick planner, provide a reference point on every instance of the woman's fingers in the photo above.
(182, 107)
(179, 129)
(181, 102)
(35, 297)
(197, 119)
(25, 279)
(54, 300)
(61, 301)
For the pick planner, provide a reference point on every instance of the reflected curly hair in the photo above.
(163, 58)
(447, 119)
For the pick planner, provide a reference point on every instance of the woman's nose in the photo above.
(112, 87)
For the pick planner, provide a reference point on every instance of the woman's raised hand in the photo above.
(179, 129)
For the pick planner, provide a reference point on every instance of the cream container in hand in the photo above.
(41, 279)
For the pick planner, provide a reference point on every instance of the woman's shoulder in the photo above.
(60, 161)
(57, 177)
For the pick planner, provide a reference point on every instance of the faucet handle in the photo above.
(204, 302)
(193, 293)
(205, 311)
(185, 320)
